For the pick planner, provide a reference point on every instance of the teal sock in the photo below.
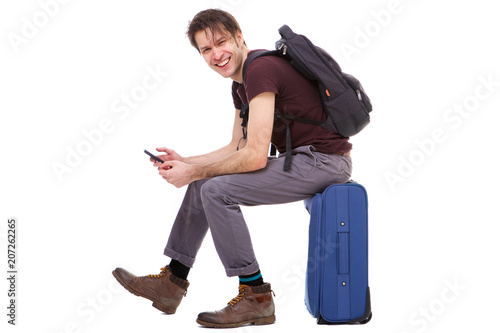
(254, 279)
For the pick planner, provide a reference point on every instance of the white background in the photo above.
(433, 227)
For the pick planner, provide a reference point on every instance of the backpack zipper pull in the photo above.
(359, 94)
(282, 48)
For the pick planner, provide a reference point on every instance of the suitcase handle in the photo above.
(343, 253)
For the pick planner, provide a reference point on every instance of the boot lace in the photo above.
(157, 276)
(238, 298)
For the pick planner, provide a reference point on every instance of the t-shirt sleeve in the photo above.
(262, 76)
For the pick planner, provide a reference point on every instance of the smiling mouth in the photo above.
(224, 63)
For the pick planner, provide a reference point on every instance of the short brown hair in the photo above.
(216, 20)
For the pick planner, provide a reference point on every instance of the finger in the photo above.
(165, 174)
(157, 164)
(164, 150)
(167, 165)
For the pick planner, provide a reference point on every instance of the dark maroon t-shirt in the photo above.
(295, 95)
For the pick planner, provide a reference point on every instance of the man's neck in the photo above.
(238, 77)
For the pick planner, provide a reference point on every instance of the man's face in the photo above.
(222, 52)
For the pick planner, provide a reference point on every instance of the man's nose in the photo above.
(217, 53)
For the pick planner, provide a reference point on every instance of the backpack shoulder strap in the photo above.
(251, 57)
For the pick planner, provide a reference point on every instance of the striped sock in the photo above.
(254, 279)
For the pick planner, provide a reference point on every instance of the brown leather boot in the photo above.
(253, 305)
(165, 289)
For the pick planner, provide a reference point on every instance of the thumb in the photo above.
(168, 165)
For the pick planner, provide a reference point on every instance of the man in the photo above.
(241, 173)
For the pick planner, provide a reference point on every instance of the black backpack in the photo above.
(344, 100)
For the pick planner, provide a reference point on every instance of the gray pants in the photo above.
(214, 203)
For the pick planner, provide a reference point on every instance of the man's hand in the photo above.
(177, 173)
(170, 155)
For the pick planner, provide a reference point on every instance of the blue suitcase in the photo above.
(337, 290)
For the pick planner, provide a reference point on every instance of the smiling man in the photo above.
(218, 49)
(241, 173)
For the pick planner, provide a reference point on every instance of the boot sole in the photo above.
(259, 321)
(156, 304)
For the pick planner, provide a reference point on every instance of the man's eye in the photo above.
(205, 51)
(222, 42)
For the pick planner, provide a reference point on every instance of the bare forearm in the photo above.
(212, 156)
(244, 160)
(251, 156)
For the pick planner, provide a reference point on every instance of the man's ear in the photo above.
(239, 38)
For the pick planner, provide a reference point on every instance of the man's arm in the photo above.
(252, 156)
(225, 151)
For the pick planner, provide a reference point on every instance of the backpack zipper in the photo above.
(339, 77)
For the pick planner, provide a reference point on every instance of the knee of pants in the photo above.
(212, 191)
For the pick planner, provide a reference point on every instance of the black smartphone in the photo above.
(156, 158)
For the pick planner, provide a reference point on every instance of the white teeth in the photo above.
(222, 64)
